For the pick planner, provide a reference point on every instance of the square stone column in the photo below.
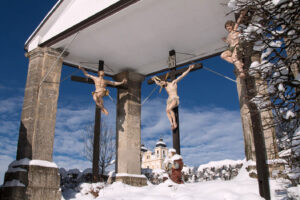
(128, 128)
(266, 120)
(37, 176)
(246, 120)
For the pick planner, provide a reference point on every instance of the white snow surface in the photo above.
(26, 161)
(290, 114)
(294, 192)
(276, 161)
(172, 150)
(285, 153)
(130, 175)
(281, 87)
(13, 183)
(277, 2)
(160, 142)
(218, 164)
(241, 187)
(176, 157)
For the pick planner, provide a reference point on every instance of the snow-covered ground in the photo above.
(241, 187)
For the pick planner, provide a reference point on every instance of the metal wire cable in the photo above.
(153, 90)
(52, 66)
(74, 72)
(219, 74)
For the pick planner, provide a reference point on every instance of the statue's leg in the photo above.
(102, 105)
(169, 116)
(99, 102)
(171, 106)
(227, 55)
(238, 63)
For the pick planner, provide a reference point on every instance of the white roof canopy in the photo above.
(133, 34)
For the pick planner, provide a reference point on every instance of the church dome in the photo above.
(160, 143)
(143, 148)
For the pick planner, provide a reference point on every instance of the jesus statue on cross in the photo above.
(100, 85)
(173, 99)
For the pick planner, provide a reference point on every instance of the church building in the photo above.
(154, 160)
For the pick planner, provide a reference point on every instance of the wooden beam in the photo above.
(86, 69)
(187, 63)
(177, 72)
(96, 145)
(82, 79)
(90, 81)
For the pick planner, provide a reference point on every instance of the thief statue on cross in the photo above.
(100, 85)
(232, 54)
(173, 99)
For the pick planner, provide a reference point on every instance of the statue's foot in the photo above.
(242, 75)
(105, 111)
(174, 126)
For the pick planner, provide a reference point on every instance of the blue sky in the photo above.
(209, 109)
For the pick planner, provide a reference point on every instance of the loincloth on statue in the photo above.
(232, 48)
(106, 92)
(171, 99)
(235, 47)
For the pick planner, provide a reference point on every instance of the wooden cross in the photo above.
(173, 74)
(97, 126)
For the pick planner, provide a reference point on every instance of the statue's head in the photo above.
(229, 25)
(101, 73)
(164, 83)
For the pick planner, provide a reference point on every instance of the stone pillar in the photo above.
(34, 169)
(267, 120)
(128, 128)
(246, 120)
(266, 117)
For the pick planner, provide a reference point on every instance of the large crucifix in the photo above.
(97, 124)
(173, 75)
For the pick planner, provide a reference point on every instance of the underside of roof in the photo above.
(133, 35)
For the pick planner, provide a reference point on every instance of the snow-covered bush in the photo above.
(155, 176)
(219, 170)
(74, 177)
(189, 174)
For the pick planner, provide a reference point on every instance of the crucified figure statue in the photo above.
(100, 84)
(231, 54)
(173, 99)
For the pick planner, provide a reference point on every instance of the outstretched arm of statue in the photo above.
(157, 80)
(85, 73)
(184, 73)
(115, 83)
(241, 17)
